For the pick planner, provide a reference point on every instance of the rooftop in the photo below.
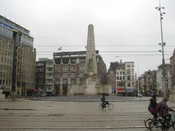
(69, 53)
(13, 25)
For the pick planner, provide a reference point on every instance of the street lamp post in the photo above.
(16, 39)
(162, 44)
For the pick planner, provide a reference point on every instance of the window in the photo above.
(49, 68)
(65, 68)
(129, 84)
(128, 78)
(128, 71)
(65, 60)
(73, 60)
(58, 61)
(49, 74)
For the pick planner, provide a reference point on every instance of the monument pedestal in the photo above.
(90, 86)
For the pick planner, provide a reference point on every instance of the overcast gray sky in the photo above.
(121, 27)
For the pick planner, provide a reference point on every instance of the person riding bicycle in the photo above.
(163, 109)
(104, 102)
(161, 116)
(153, 107)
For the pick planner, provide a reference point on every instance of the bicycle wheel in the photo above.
(165, 126)
(110, 106)
(164, 129)
(173, 125)
(101, 107)
(149, 124)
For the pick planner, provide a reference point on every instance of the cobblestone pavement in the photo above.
(29, 115)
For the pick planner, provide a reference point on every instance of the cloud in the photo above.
(134, 24)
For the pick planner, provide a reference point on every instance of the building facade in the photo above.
(6, 57)
(18, 57)
(70, 72)
(26, 64)
(172, 70)
(81, 72)
(125, 78)
(160, 84)
(140, 85)
(44, 75)
(148, 83)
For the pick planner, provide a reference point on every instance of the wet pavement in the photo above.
(50, 114)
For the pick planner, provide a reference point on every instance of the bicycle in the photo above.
(164, 123)
(105, 106)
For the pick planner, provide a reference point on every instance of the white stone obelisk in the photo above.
(91, 63)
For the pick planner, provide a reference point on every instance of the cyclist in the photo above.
(103, 101)
(153, 107)
(161, 115)
(163, 109)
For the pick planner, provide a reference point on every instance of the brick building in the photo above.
(148, 83)
(124, 82)
(44, 75)
(69, 72)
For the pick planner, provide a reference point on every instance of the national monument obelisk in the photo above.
(91, 63)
